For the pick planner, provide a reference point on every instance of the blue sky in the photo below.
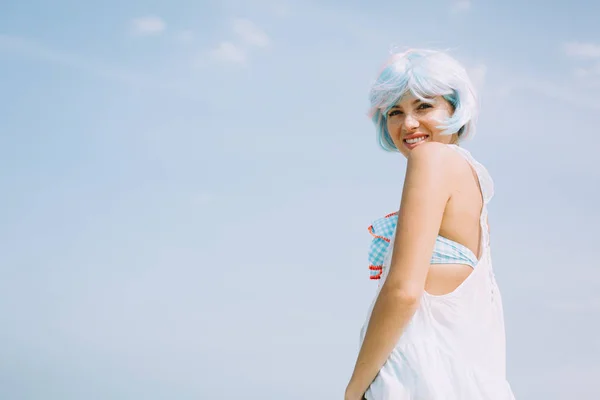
(187, 187)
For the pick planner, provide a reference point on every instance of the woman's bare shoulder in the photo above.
(441, 157)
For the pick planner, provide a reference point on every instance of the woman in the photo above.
(436, 329)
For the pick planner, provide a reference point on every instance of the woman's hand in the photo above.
(352, 394)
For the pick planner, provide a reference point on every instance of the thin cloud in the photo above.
(250, 33)
(30, 48)
(590, 52)
(281, 10)
(148, 26)
(590, 305)
(461, 5)
(229, 52)
(589, 72)
(37, 51)
(202, 199)
(582, 50)
(477, 74)
(237, 52)
(576, 96)
(185, 36)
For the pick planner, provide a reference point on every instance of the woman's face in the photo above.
(411, 122)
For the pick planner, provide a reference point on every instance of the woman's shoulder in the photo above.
(451, 163)
(430, 150)
(434, 156)
(445, 158)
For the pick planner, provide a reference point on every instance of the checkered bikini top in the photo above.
(445, 251)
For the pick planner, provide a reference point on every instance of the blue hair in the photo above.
(425, 74)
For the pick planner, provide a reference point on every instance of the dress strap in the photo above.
(485, 180)
(486, 185)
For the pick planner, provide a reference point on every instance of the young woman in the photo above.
(436, 328)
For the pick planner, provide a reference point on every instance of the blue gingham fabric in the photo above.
(382, 230)
(445, 251)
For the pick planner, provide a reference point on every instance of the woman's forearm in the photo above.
(391, 313)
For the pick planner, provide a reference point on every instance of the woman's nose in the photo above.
(410, 122)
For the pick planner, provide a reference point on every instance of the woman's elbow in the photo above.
(403, 295)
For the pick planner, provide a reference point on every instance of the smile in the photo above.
(415, 140)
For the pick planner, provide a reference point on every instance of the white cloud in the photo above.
(582, 50)
(147, 26)
(250, 33)
(229, 52)
(461, 5)
(587, 74)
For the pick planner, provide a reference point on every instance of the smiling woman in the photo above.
(436, 327)
(413, 120)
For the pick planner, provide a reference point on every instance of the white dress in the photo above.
(453, 348)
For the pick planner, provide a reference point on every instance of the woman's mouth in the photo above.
(415, 140)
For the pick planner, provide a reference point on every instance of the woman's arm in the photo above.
(424, 197)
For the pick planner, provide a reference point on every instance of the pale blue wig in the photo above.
(425, 74)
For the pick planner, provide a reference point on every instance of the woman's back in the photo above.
(453, 347)
(460, 224)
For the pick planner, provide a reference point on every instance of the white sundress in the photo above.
(453, 348)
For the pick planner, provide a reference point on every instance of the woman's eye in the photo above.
(423, 106)
(394, 113)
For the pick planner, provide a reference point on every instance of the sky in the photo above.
(187, 188)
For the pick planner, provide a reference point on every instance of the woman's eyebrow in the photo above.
(417, 101)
